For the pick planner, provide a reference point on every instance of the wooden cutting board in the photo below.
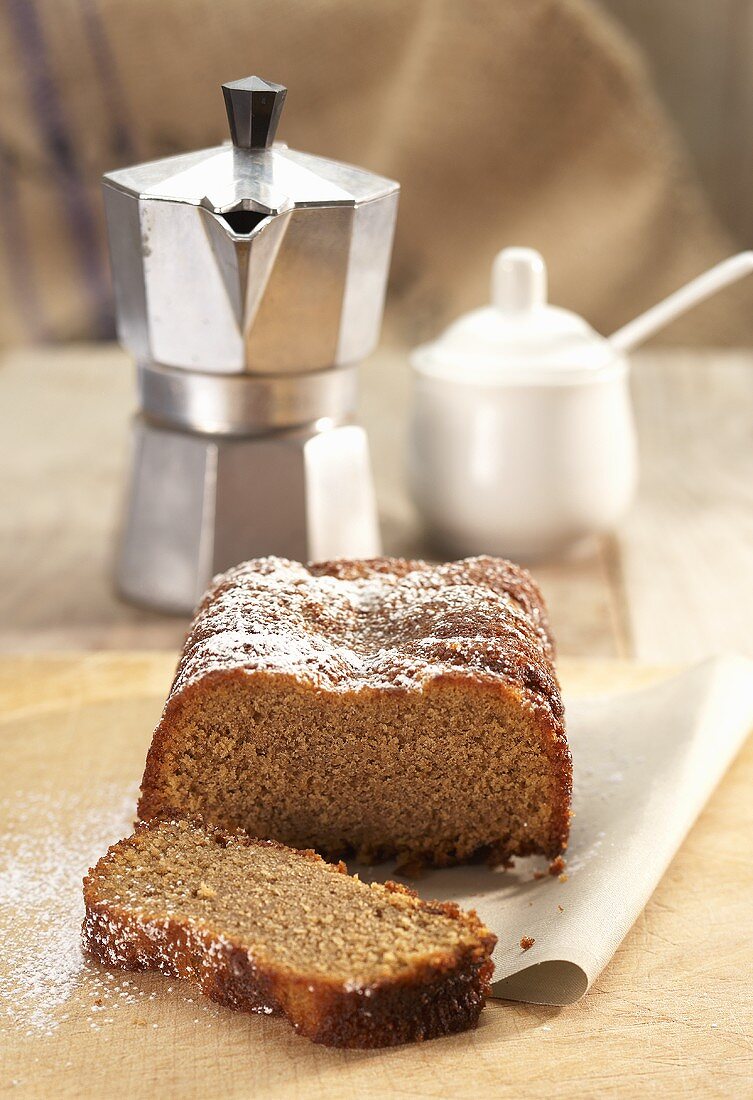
(671, 1015)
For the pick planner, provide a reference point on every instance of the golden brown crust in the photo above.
(496, 574)
(386, 623)
(437, 996)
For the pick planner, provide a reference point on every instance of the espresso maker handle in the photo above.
(253, 110)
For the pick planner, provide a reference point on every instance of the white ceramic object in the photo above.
(522, 442)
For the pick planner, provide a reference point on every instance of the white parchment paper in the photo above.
(644, 765)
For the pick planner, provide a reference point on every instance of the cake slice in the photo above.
(384, 707)
(264, 928)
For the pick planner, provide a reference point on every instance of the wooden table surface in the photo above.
(671, 1016)
(675, 584)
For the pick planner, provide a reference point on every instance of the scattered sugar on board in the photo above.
(42, 862)
(50, 841)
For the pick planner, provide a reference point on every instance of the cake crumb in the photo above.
(563, 878)
(539, 875)
(527, 942)
(561, 908)
(204, 891)
(557, 866)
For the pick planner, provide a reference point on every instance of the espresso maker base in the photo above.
(198, 504)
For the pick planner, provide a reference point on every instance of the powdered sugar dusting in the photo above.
(50, 841)
(349, 626)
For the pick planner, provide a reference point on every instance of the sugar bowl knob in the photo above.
(519, 282)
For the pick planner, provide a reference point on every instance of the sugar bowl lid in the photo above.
(253, 173)
(520, 338)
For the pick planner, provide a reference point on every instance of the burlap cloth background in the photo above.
(506, 121)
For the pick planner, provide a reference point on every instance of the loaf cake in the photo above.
(264, 928)
(382, 708)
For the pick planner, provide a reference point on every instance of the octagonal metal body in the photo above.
(263, 261)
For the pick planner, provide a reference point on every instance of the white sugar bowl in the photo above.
(522, 441)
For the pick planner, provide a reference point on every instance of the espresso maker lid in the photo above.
(249, 258)
(254, 173)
